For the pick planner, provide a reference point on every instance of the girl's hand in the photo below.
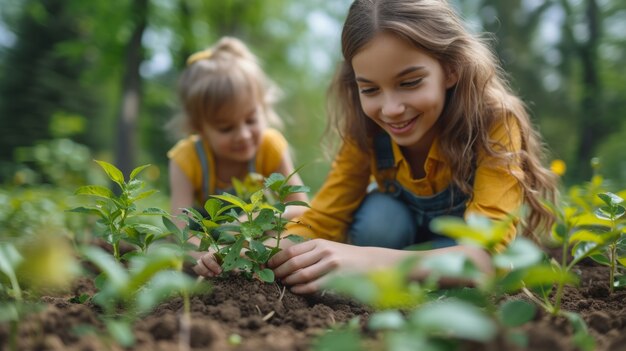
(305, 266)
(206, 265)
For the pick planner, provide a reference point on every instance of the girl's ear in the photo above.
(452, 77)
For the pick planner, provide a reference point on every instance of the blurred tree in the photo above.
(40, 77)
(552, 50)
(130, 102)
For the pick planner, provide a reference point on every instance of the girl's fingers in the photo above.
(207, 266)
(313, 267)
(294, 258)
(292, 251)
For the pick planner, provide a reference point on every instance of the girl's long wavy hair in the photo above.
(480, 100)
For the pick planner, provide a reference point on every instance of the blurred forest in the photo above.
(97, 79)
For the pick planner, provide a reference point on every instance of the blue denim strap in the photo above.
(383, 151)
(205, 168)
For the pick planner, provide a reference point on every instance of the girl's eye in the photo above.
(224, 129)
(411, 83)
(366, 91)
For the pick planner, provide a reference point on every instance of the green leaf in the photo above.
(251, 230)
(212, 207)
(257, 246)
(171, 226)
(611, 199)
(164, 284)
(137, 170)
(265, 220)
(144, 195)
(297, 203)
(619, 211)
(115, 274)
(548, 274)
(297, 189)
(275, 181)
(154, 211)
(386, 320)
(515, 313)
(559, 232)
(10, 258)
(451, 265)
(88, 210)
(112, 172)
(230, 261)
(344, 340)
(232, 199)
(521, 253)
(582, 338)
(453, 318)
(266, 275)
(604, 213)
(121, 331)
(295, 238)
(95, 190)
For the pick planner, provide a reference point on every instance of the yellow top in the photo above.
(267, 160)
(496, 191)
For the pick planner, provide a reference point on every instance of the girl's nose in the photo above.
(244, 133)
(392, 105)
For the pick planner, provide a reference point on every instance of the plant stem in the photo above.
(612, 258)
(116, 250)
(557, 298)
(13, 335)
(185, 323)
(280, 229)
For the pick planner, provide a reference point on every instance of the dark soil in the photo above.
(268, 317)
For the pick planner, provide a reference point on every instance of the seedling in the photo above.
(118, 213)
(42, 264)
(521, 266)
(149, 279)
(245, 225)
(605, 242)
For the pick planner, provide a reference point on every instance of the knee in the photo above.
(383, 221)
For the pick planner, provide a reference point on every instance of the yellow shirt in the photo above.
(496, 191)
(267, 160)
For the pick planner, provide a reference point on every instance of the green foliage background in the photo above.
(67, 69)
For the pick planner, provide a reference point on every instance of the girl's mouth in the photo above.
(401, 127)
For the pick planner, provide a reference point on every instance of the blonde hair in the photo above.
(216, 77)
(480, 100)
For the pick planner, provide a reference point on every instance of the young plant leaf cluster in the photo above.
(152, 273)
(136, 290)
(237, 230)
(424, 315)
(118, 215)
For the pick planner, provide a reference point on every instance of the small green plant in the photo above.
(11, 304)
(522, 266)
(37, 265)
(605, 241)
(118, 213)
(127, 294)
(237, 230)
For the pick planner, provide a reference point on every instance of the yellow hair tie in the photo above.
(200, 55)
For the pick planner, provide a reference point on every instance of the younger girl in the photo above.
(423, 107)
(227, 102)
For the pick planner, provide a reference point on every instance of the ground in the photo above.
(240, 314)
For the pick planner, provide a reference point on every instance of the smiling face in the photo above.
(402, 89)
(235, 132)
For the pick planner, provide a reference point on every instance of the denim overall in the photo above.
(206, 181)
(394, 217)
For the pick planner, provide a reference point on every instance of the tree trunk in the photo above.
(592, 128)
(126, 148)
